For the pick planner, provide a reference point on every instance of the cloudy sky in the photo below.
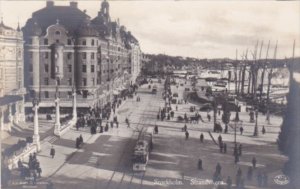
(202, 29)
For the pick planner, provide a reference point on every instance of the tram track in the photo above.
(128, 178)
(121, 175)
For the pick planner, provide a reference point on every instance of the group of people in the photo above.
(31, 172)
(79, 141)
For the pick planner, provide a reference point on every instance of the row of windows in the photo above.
(46, 94)
(84, 81)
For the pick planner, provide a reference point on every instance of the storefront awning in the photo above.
(9, 99)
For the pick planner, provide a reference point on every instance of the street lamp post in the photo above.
(36, 136)
(57, 112)
(74, 105)
(256, 126)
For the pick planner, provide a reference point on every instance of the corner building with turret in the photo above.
(65, 49)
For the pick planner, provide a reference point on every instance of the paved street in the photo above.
(104, 161)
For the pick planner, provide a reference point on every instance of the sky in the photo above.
(200, 29)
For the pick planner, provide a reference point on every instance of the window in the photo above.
(57, 41)
(70, 81)
(70, 67)
(32, 93)
(58, 82)
(57, 33)
(70, 94)
(93, 56)
(93, 81)
(46, 94)
(92, 68)
(69, 42)
(83, 42)
(46, 81)
(46, 41)
(84, 94)
(31, 81)
(93, 42)
(69, 56)
(84, 81)
(84, 55)
(84, 68)
(46, 55)
(46, 68)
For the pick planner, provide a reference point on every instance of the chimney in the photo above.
(73, 4)
(49, 3)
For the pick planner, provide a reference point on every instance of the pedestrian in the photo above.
(241, 130)
(254, 162)
(250, 173)
(111, 124)
(52, 152)
(117, 124)
(106, 127)
(201, 137)
(176, 108)
(208, 117)
(224, 148)
(240, 149)
(229, 182)
(218, 169)
(186, 135)
(221, 147)
(80, 139)
(263, 130)
(39, 171)
(184, 128)
(156, 129)
(226, 129)
(220, 139)
(77, 142)
(127, 122)
(200, 164)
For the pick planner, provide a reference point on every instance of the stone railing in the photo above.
(12, 161)
(65, 127)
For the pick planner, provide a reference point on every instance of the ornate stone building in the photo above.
(65, 49)
(12, 89)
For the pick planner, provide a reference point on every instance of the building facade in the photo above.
(66, 49)
(12, 89)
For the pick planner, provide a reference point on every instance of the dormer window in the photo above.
(57, 33)
(46, 41)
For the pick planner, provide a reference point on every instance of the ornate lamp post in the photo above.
(36, 136)
(74, 105)
(57, 124)
(256, 126)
